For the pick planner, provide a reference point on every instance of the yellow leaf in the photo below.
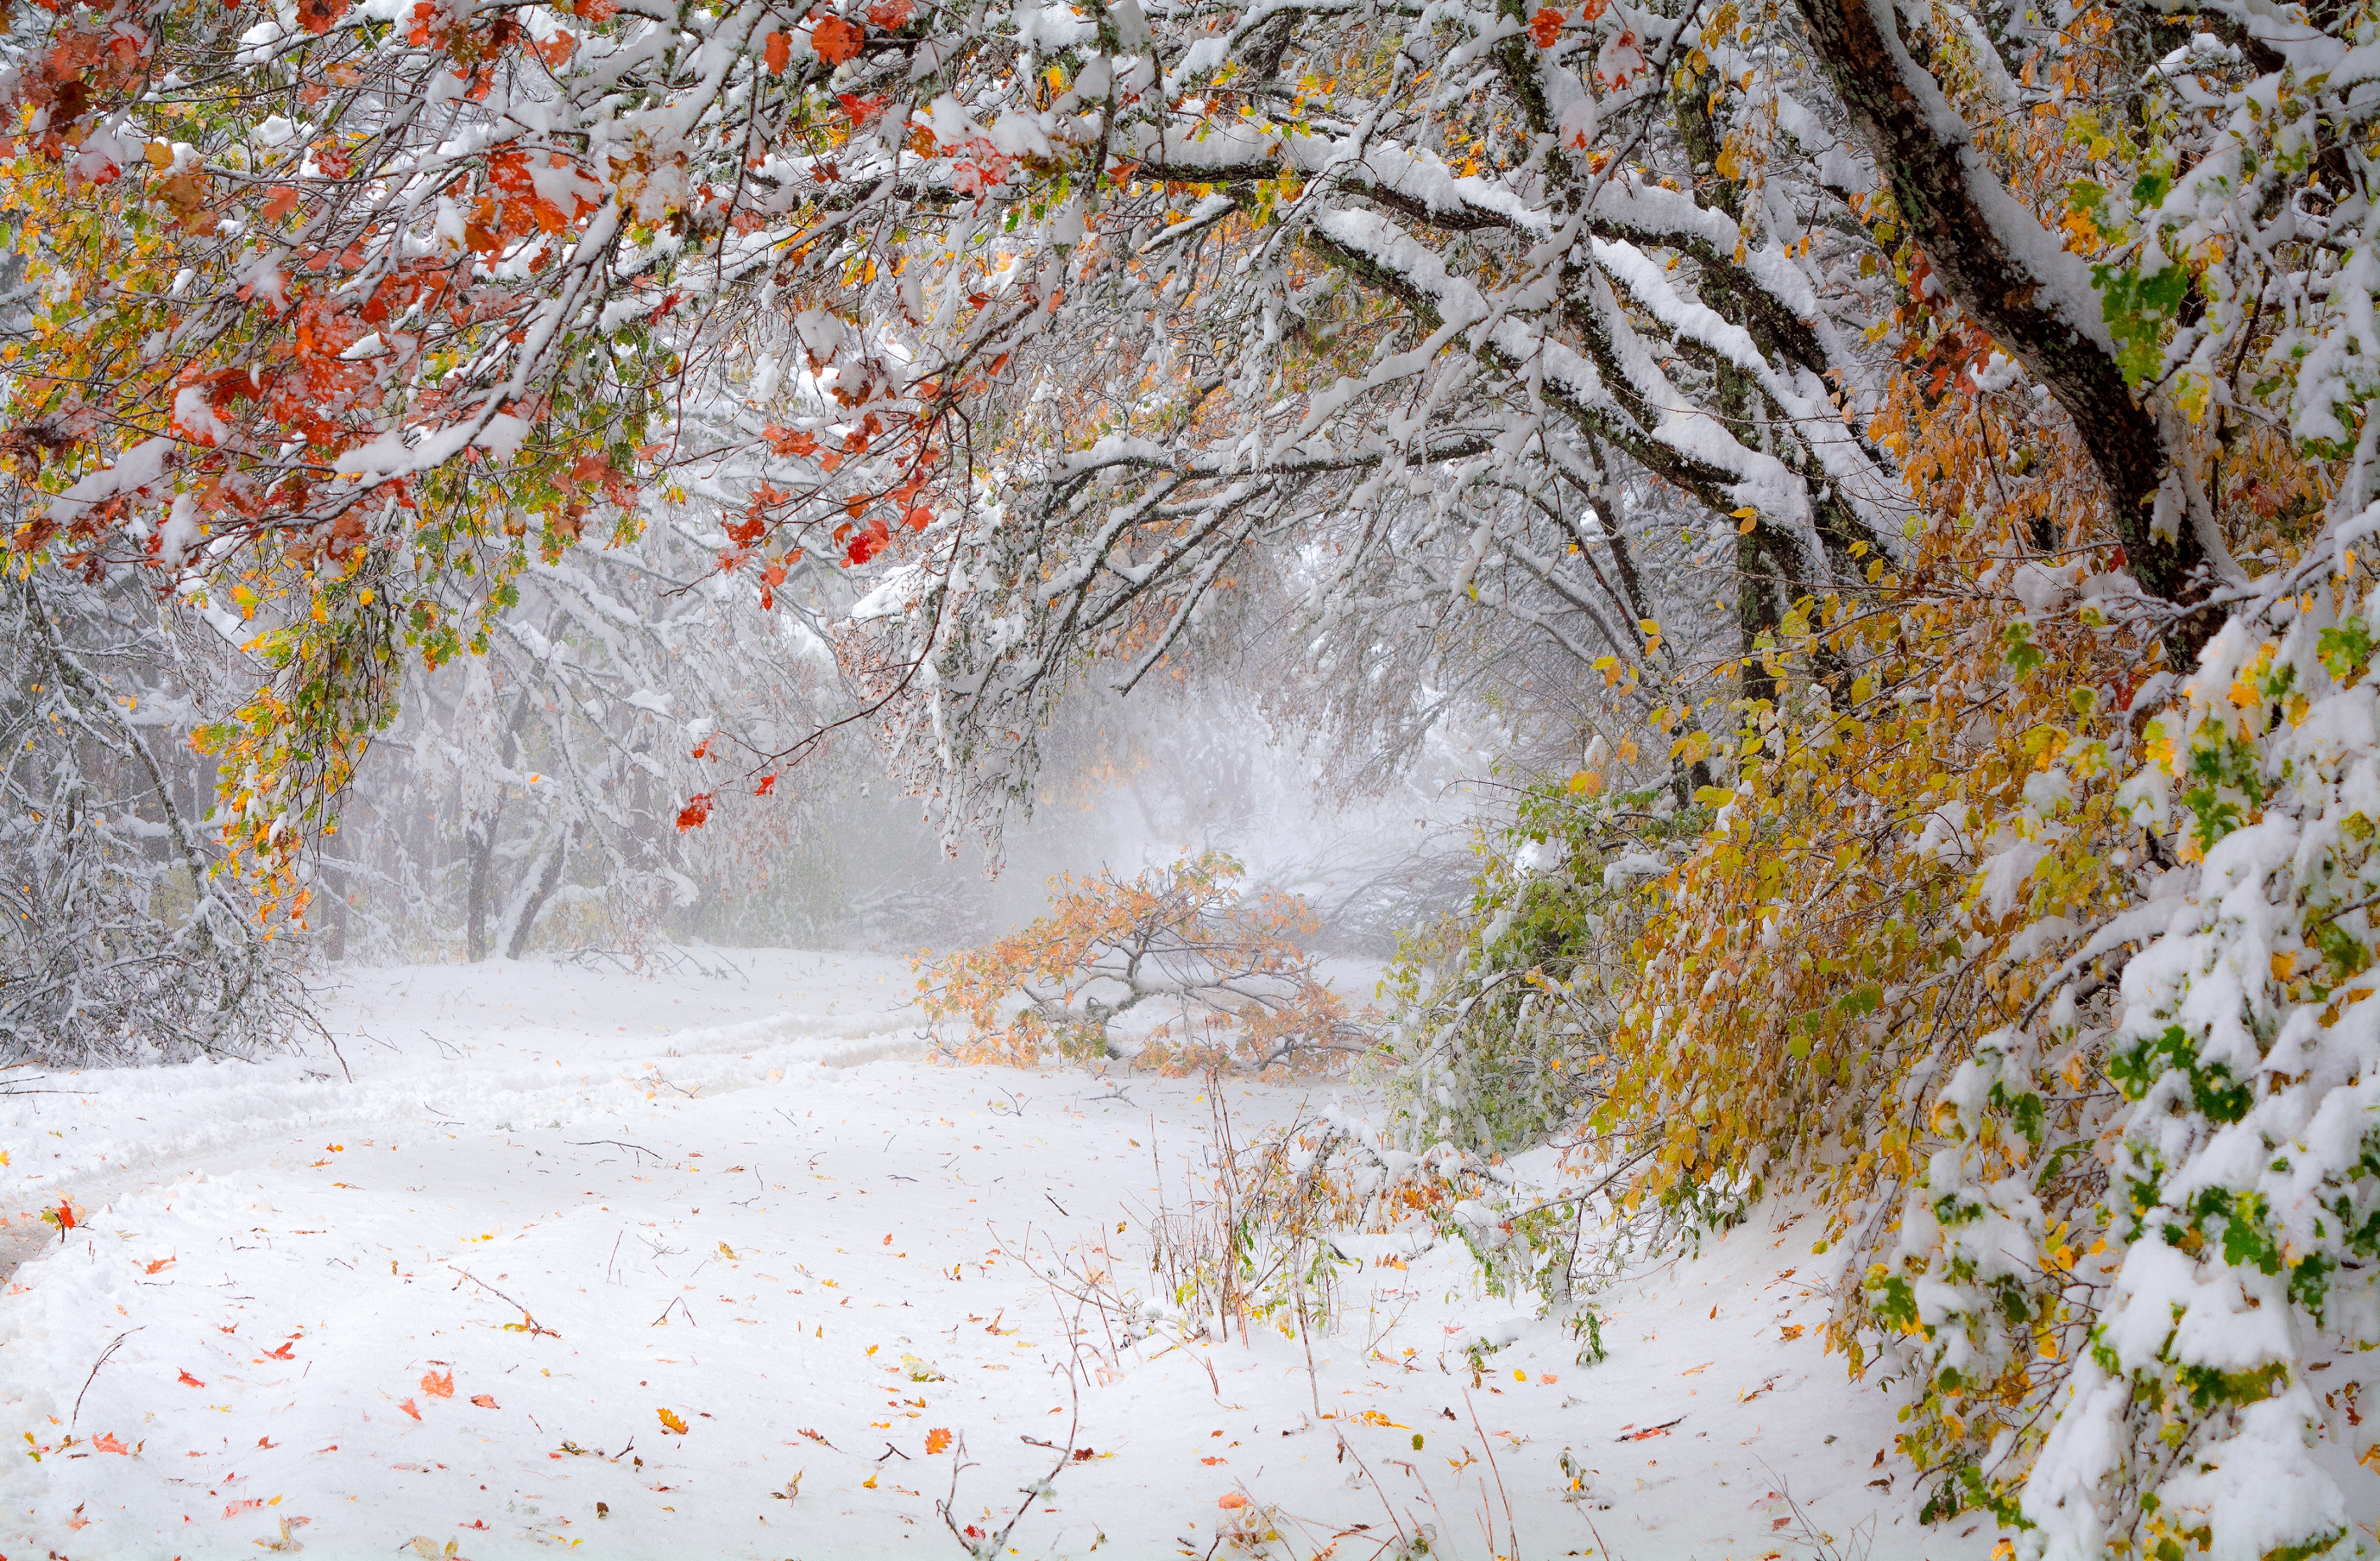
(670, 1422)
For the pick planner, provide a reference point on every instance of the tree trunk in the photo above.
(524, 920)
(2015, 279)
(480, 845)
(1756, 614)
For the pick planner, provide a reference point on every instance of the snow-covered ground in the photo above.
(700, 1267)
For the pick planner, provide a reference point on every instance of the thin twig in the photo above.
(76, 1418)
(534, 1327)
(617, 1143)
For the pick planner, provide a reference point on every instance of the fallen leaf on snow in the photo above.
(408, 1409)
(158, 1267)
(105, 1442)
(1233, 1501)
(937, 1439)
(485, 1400)
(670, 1422)
(187, 1380)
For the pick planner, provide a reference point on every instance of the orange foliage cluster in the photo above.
(1226, 967)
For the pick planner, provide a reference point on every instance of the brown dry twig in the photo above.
(528, 1323)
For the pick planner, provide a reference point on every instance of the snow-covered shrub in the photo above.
(1501, 1013)
(2234, 1244)
(1223, 975)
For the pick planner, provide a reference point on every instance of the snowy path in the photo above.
(469, 1296)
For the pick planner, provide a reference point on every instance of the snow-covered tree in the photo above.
(122, 942)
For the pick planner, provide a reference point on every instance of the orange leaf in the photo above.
(696, 813)
(1233, 1501)
(187, 1380)
(105, 1442)
(780, 52)
(438, 1385)
(408, 1409)
(670, 1422)
(485, 1400)
(160, 1265)
(836, 40)
(937, 1439)
(282, 1353)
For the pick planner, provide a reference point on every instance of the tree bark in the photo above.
(2014, 278)
(480, 845)
(524, 921)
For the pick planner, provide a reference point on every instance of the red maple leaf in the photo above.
(836, 40)
(863, 111)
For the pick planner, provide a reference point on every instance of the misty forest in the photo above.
(1483, 779)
